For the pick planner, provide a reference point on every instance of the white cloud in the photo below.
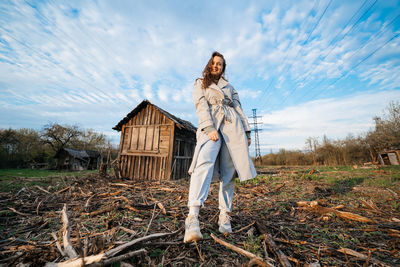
(113, 54)
(248, 93)
(163, 93)
(147, 91)
(336, 118)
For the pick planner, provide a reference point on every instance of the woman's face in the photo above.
(216, 67)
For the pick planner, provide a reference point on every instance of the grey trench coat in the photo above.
(226, 116)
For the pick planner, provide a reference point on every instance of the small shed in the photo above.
(78, 160)
(154, 144)
(390, 157)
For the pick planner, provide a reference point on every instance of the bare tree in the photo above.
(386, 134)
(59, 136)
(311, 145)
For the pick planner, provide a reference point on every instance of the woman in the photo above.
(222, 144)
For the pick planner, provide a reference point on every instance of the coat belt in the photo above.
(221, 106)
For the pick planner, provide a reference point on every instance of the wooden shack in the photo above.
(77, 160)
(154, 144)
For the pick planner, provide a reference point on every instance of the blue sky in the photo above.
(310, 68)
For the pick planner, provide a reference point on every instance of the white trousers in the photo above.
(202, 175)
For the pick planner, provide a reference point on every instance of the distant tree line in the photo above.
(348, 151)
(21, 148)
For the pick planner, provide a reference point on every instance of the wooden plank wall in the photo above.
(145, 146)
(184, 144)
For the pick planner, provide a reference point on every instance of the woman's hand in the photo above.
(248, 141)
(213, 135)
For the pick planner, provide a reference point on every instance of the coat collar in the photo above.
(220, 84)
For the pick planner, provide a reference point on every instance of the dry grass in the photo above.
(105, 213)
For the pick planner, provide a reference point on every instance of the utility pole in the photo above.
(256, 137)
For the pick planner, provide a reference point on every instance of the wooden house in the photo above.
(78, 160)
(154, 145)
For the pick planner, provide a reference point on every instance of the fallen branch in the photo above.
(58, 244)
(18, 212)
(241, 251)
(129, 231)
(283, 259)
(102, 210)
(118, 249)
(277, 187)
(245, 227)
(161, 206)
(360, 256)
(313, 206)
(88, 201)
(69, 250)
(42, 189)
(119, 258)
(121, 184)
(131, 208)
(104, 257)
(198, 250)
(63, 190)
(151, 220)
(110, 194)
(256, 262)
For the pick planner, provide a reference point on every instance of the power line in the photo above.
(284, 62)
(352, 27)
(385, 28)
(52, 3)
(376, 35)
(289, 66)
(350, 30)
(337, 41)
(316, 25)
(355, 66)
(49, 59)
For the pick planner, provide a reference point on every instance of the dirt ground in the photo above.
(314, 217)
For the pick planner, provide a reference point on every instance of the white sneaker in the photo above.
(224, 223)
(192, 229)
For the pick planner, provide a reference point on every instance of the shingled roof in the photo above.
(179, 122)
(80, 154)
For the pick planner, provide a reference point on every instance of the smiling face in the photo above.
(217, 66)
(214, 69)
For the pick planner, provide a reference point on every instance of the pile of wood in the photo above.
(97, 220)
